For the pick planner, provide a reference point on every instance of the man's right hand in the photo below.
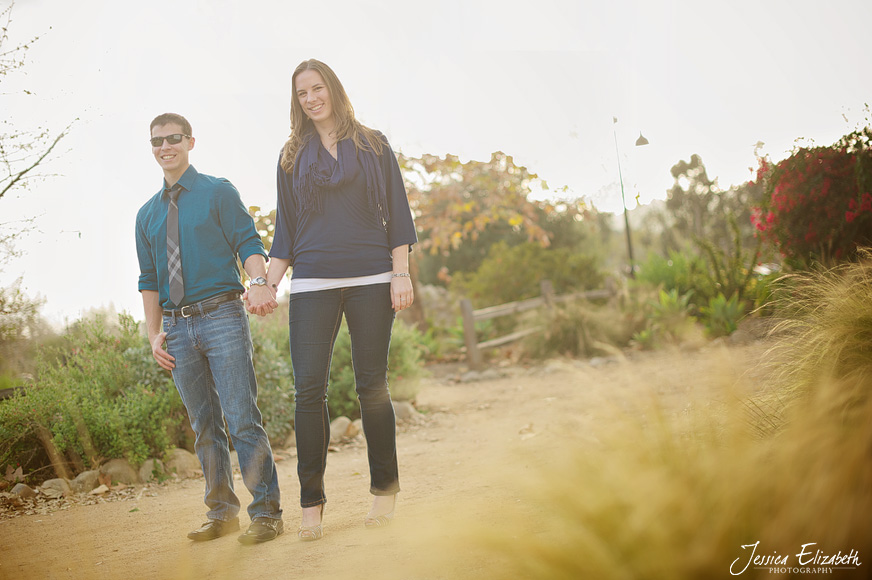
(162, 357)
(261, 300)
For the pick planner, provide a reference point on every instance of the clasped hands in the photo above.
(261, 300)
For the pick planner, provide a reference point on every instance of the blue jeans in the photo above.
(314, 323)
(215, 377)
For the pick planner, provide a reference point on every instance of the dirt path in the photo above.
(475, 446)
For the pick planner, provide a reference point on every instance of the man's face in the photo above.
(173, 159)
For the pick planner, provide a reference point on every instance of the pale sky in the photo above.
(539, 80)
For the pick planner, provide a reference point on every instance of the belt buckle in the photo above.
(191, 311)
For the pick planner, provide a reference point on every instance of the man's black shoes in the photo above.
(262, 530)
(214, 529)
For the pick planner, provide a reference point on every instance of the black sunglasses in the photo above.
(173, 139)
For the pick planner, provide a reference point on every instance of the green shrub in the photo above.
(763, 292)
(721, 316)
(275, 390)
(405, 369)
(645, 339)
(577, 329)
(635, 302)
(670, 321)
(439, 343)
(275, 380)
(341, 396)
(443, 336)
(103, 397)
(683, 272)
(706, 272)
(405, 366)
(515, 273)
(672, 311)
(730, 271)
(8, 381)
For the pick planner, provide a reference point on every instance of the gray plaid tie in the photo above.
(174, 255)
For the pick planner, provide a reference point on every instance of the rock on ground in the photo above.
(56, 487)
(183, 463)
(99, 490)
(23, 490)
(120, 470)
(151, 469)
(338, 428)
(85, 481)
(404, 411)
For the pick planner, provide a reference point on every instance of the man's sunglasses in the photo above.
(173, 139)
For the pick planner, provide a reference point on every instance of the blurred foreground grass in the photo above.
(677, 495)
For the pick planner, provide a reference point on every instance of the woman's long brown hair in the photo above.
(347, 127)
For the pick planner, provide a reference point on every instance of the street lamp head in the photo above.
(641, 140)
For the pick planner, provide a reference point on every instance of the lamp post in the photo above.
(639, 142)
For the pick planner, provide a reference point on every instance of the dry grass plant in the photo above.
(677, 499)
(825, 335)
(676, 495)
(578, 329)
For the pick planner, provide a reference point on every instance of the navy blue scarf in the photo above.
(312, 184)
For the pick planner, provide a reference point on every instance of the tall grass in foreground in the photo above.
(826, 336)
(678, 497)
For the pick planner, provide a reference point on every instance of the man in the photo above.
(188, 237)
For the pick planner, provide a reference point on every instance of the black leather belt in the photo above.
(204, 306)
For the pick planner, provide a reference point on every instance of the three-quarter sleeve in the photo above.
(401, 226)
(145, 254)
(286, 217)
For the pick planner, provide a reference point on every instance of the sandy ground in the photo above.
(464, 463)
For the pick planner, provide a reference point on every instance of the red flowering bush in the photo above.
(818, 201)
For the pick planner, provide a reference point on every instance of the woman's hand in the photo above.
(402, 294)
(261, 300)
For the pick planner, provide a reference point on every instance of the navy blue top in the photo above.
(346, 239)
(214, 228)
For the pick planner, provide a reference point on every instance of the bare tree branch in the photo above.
(21, 152)
(14, 178)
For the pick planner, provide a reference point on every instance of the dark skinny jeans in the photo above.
(314, 323)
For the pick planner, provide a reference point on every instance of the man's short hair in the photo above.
(168, 118)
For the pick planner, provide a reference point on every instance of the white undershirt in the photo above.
(315, 284)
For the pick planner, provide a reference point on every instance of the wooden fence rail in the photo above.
(548, 299)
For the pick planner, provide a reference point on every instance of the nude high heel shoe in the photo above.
(372, 522)
(312, 533)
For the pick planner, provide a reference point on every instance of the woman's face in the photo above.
(314, 97)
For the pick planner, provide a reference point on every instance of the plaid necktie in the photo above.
(174, 255)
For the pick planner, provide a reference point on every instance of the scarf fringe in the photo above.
(310, 186)
(308, 198)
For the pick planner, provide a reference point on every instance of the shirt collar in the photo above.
(186, 180)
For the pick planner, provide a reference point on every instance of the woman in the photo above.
(344, 224)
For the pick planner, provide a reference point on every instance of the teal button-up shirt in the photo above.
(214, 228)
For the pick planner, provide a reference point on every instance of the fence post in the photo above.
(547, 292)
(473, 355)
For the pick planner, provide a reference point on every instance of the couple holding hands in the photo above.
(344, 225)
